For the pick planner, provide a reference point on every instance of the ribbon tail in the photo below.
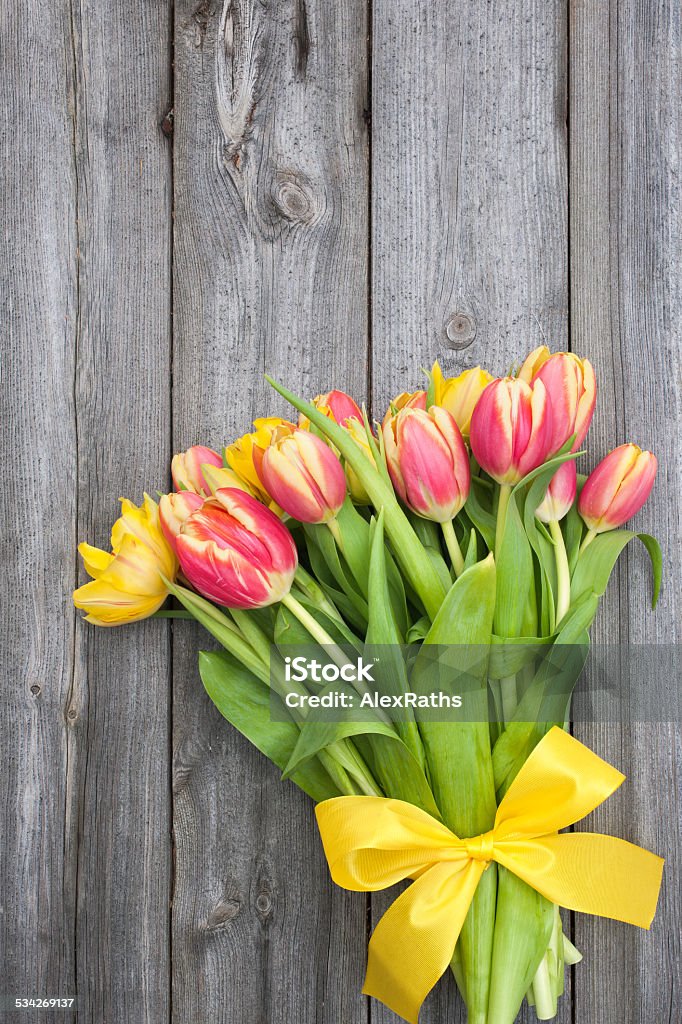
(590, 873)
(412, 945)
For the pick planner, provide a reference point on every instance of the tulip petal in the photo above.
(95, 561)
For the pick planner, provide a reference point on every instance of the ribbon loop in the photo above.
(372, 842)
(481, 848)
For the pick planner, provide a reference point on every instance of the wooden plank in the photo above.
(38, 296)
(469, 209)
(271, 245)
(626, 314)
(118, 710)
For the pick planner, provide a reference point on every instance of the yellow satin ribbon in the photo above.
(372, 842)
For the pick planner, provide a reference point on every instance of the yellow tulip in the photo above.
(127, 582)
(459, 395)
(240, 454)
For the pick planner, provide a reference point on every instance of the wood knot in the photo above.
(292, 197)
(226, 909)
(264, 904)
(167, 124)
(460, 330)
(35, 689)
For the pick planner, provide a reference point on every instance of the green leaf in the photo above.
(354, 532)
(514, 573)
(418, 630)
(318, 733)
(245, 702)
(390, 671)
(656, 556)
(222, 628)
(288, 629)
(597, 562)
(327, 567)
(573, 527)
(472, 551)
(482, 518)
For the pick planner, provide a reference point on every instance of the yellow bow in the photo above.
(371, 843)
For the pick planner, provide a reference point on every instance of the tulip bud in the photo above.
(572, 390)
(617, 488)
(244, 454)
(236, 552)
(511, 429)
(337, 406)
(405, 400)
(186, 469)
(303, 475)
(560, 494)
(459, 395)
(428, 462)
(174, 509)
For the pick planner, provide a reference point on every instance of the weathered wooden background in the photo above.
(337, 192)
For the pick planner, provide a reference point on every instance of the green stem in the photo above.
(543, 992)
(335, 530)
(316, 631)
(563, 573)
(509, 695)
(505, 494)
(589, 537)
(314, 592)
(171, 614)
(453, 547)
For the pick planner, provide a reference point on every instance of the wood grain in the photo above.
(469, 210)
(271, 239)
(119, 700)
(38, 298)
(626, 315)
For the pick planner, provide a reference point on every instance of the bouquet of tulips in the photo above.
(456, 533)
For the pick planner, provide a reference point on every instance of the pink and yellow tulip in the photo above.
(560, 494)
(459, 395)
(428, 461)
(572, 389)
(127, 582)
(303, 475)
(236, 552)
(617, 488)
(511, 429)
(244, 455)
(186, 469)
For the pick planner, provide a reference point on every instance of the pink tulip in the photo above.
(511, 429)
(174, 509)
(617, 488)
(560, 494)
(428, 462)
(572, 390)
(337, 405)
(186, 469)
(304, 476)
(236, 552)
